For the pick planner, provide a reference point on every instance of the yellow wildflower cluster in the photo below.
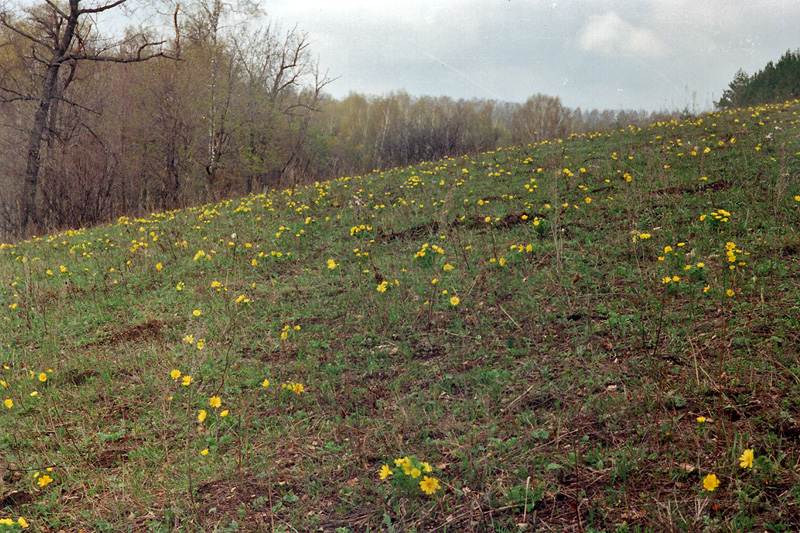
(43, 479)
(520, 248)
(297, 388)
(721, 215)
(176, 375)
(218, 286)
(424, 250)
(407, 471)
(286, 330)
(731, 252)
(711, 481)
(21, 522)
(355, 230)
(717, 217)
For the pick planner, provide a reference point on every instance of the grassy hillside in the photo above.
(582, 335)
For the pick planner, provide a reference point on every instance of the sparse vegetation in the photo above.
(598, 333)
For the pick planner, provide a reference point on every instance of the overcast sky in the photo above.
(632, 54)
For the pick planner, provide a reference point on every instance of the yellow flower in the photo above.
(201, 415)
(42, 377)
(197, 312)
(6, 522)
(382, 286)
(415, 473)
(44, 480)
(22, 523)
(9, 403)
(729, 292)
(175, 374)
(265, 383)
(746, 459)
(332, 264)
(187, 380)
(701, 419)
(385, 472)
(429, 485)
(454, 301)
(204, 452)
(224, 413)
(159, 266)
(588, 200)
(201, 343)
(215, 401)
(710, 482)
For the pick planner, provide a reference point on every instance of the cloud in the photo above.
(610, 35)
(592, 53)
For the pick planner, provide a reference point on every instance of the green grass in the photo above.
(561, 390)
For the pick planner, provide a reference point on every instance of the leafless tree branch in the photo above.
(100, 9)
(5, 22)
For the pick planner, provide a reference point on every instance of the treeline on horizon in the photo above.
(224, 109)
(776, 82)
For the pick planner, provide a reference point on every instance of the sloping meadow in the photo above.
(594, 334)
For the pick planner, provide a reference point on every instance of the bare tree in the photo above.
(281, 93)
(58, 36)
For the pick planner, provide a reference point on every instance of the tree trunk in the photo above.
(29, 215)
(50, 89)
